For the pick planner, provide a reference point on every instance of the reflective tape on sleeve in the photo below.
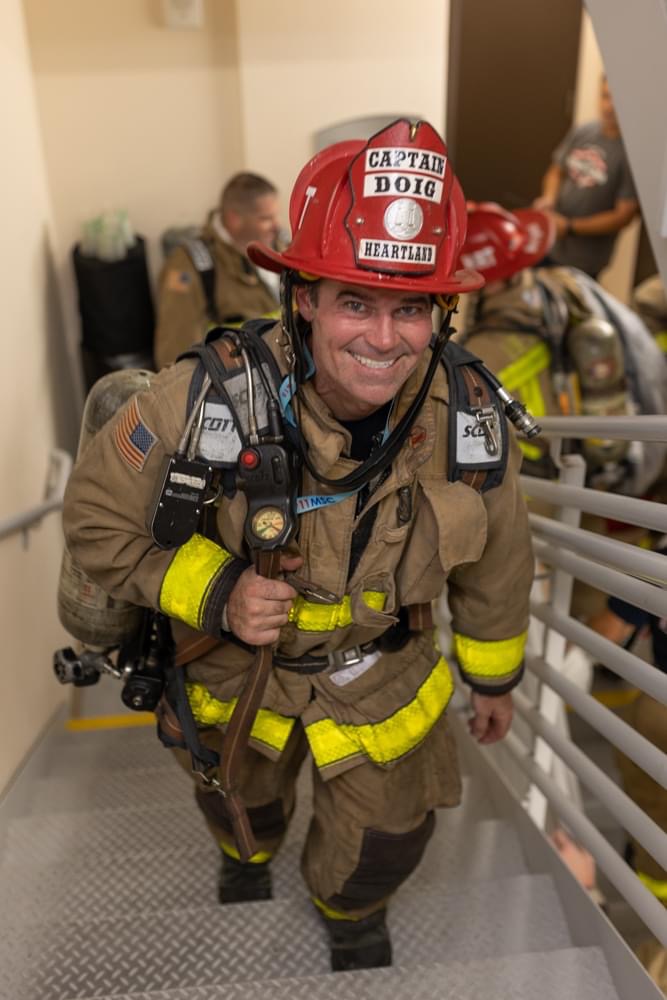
(495, 659)
(311, 617)
(383, 742)
(186, 584)
(269, 728)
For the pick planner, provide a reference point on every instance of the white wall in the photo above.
(305, 66)
(133, 115)
(34, 411)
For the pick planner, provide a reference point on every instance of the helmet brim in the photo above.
(463, 280)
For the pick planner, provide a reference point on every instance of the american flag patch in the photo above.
(133, 439)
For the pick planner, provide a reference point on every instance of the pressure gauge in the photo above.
(268, 523)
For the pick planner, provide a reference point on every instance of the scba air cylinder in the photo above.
(84, 609)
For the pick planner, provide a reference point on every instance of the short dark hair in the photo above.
(242, 190)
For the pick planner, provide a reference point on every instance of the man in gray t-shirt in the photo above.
(590, 190)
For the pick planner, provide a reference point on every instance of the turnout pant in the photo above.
(369, 826)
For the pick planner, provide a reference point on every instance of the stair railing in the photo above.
(540, 746)
(60, 466)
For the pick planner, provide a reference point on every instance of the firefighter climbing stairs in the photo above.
(108, 880)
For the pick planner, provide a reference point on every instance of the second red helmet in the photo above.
(500, 243)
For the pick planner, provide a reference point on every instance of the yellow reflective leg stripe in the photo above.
(661, 340)
(489, 659)
(525, 368)
(655, 885)
(260, 858)
(311, 617)
(269, 728)
(331, 914)
(187, 582)
(383, 742)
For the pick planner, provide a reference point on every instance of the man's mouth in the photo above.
(370, 363)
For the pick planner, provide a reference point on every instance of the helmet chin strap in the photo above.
(386, 453)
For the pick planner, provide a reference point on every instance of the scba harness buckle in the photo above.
(485, 417)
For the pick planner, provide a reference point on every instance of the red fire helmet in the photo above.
(500, 243)
(387, 213)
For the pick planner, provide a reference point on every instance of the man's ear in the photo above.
(232, 221)
(305, 303)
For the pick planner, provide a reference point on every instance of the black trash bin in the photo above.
(117, 314)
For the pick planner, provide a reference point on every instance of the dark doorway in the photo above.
(510, 95)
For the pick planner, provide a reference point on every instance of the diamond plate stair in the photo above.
(273, 940)
(577, 973)
(108, 880)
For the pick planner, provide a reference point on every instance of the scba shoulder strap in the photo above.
(202, 260)
(225, 421)
(478, 442)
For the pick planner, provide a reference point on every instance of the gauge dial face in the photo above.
(268, 523)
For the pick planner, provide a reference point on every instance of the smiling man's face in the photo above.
(365, 342)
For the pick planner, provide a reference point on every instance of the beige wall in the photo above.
(133, 115)
(34, 414)
(618, 276)
(305, 66)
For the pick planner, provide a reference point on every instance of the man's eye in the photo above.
(413, 310)
(354, 305)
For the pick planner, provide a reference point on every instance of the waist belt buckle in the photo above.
(346, 657)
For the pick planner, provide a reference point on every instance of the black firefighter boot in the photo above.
(359, 944)
(243, 883)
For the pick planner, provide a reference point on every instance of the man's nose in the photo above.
(382, 334)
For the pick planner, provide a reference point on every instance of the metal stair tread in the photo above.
(80, 831)
(182, 872)
(76, 752)
(581, 973)
(272, 940)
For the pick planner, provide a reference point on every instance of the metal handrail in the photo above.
(646, 513)
(609, 581)
(552, 762)
(650, 566)
(644, 903)
(619, 733)
(60, 466)
(627, 666)
(641, 428)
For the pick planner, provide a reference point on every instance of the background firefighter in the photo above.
(398, 494)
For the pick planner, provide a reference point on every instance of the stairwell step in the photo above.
(154, 786)
(273, 940)
(104, 750)
(577, 973)
(146, 879)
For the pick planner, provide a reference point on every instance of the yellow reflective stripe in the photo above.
(260, 858)
(269, 727)
(531, 451)
(655, 885)
(330, 913)
(661, 340)
(187, 581)
(533, 399)
(311, 617)
(525, 368)
(489, 659)
(382, 742)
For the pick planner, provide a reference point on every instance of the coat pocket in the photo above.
(449, 530)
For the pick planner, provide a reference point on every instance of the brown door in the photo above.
(510, 96)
